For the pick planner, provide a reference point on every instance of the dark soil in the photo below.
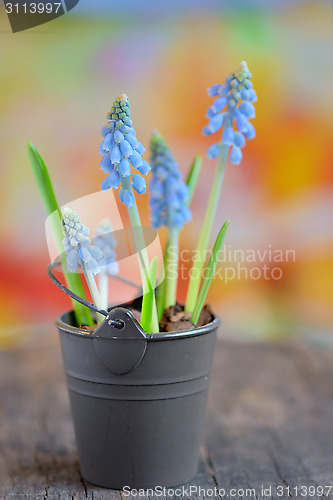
(90, 328)
(206, 316)
(174, 319)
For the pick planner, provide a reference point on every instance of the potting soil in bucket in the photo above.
(138, 401)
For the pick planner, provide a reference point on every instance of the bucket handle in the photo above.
(120, 350)
(84, 302)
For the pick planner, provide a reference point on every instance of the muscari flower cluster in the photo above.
(237, 95)
(106, 242)
(168, 192)
(121, 150)
(78, 245)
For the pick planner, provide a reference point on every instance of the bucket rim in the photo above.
(82, 332)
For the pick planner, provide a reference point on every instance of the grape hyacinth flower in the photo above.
(73, 280)
(169, 196)
(77, 244)
(80, 251)
(231, 111)
(237, 96)
(168, 192)
(121, 152)
(106, 242)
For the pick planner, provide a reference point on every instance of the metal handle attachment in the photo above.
(120, 349)
(119, 341)
(115, 322)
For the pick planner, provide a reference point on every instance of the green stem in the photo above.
(193, 176)
(197, 267)
(93, 290)
(209, 273)
(141, 248)
(171, 271)
(44, 183)
(155, 328)
(191, 181)
(148, 299)
(161, 289)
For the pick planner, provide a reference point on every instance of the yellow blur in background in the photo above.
(59, 80)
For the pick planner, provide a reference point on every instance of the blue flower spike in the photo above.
(169, 196)
(168, 192)
(80, 251)
(122, 152)
(125, 168)
(232, 108)
(232, 111)
(78, 247)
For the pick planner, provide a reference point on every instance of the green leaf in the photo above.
(161, 289)
(209, 273)
(141, 249)
(193, 176)
(74, 283)
(171, 268)
(197, 266)
(149, 298)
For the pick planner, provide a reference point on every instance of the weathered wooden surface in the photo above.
(269, 423)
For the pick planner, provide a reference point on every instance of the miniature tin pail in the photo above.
(138, 400)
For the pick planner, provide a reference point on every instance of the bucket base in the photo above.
(137, 448)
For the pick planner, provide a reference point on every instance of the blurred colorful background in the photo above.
(59, 80)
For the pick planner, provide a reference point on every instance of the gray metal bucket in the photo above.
(138, 401)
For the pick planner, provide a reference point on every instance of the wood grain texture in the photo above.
(269, 423)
